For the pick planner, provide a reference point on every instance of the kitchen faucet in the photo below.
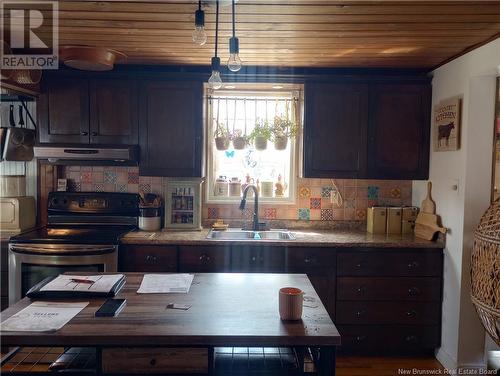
(243, 202)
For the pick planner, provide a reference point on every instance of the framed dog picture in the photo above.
(446, 125)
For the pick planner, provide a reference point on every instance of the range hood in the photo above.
(120, 155)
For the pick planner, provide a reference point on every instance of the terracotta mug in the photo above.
(290, 303)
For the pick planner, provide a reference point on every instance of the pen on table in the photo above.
(76, 280)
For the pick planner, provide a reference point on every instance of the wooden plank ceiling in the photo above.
(299, 33)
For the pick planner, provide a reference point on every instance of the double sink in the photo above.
(237, 234)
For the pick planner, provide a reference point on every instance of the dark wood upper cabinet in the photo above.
(399, 131)
(63, 111)
(113, 116)
(335, 130)
(171, 124)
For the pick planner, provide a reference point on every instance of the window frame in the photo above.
(295, 143)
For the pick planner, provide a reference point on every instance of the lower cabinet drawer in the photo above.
(147, 258)
(396, 313)
(388, 338)
(154, 360)
(378, 288)
(200, 259)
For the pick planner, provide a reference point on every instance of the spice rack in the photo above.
(183, 205)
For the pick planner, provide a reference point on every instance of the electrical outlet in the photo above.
(455, 185)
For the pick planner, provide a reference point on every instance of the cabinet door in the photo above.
(147, 258)
(335, 130)
(399, 131)
(113, 112)
(63, 111)
(171, 139)
(257, 259)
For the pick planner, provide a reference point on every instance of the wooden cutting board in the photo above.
(428, 204)
(426, 226)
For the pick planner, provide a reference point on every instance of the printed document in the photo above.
(165, 283)
(42, 317)
(89, 283)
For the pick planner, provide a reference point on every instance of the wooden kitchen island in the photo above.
(227, 310)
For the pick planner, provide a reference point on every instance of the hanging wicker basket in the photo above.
(485, 271)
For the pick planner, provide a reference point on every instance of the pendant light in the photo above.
(234, 61)
(215, 82)
(199, 34)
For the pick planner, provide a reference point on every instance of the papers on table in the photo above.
(42, 317)
(165, 283)
(90, 283)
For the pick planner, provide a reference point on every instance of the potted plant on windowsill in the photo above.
(239, 141)
(281, 130)
(261, 134)
(221, 136)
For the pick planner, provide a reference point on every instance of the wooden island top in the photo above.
(226, 309)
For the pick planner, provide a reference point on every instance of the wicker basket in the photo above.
(485, 271)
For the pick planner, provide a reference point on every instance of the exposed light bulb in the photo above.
(234, 62)
(215, 82)
(199, 35)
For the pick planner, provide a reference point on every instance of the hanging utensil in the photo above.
(21, 119)
(12, 121)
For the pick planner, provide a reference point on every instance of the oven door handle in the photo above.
(80, 250)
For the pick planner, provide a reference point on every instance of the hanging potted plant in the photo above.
(221, 136)
(261, 134)
(239, 141)
(282, 129)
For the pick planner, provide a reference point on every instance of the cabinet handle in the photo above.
(411, 313)
(254, 258)
(360, 338)
(411, 338)
(359, 265)
(152, 362)
(308, 260)
(360, 313)
(94, 134)
(84, 133)
(361, 289)
(413, 291)
(204, 258)
(413, 265)
(151, 259)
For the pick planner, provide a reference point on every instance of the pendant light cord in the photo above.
(216, 25)
(234, 23)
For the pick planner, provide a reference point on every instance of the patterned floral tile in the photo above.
(372, 192)
(109, 187)
(86, 187)
(146, 188)
(86, 177)
(74, 175)
(350, 203)
(74, 186)
(349, 214)
(98, 177)
(326, 191)
(315, 203)
(99, 187)
(315, 215)
(98, 168)
(86, 168)
(121, 188)
(213, 213)
(133, 177)
(122, 177)
(133, 188)
(350, 192)
(304, 192)
(110, 177)
(327, 214)
(270, 213)
(360, 214)
(304, 214)
(144, 179)
(371, 203)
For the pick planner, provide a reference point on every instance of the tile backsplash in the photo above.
(313, 203)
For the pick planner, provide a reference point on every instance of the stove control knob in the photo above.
(54, 202)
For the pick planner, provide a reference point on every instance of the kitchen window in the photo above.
(253, 138)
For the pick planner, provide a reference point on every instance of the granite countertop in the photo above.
(309, 237)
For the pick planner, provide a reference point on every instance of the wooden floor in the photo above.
(386, 366)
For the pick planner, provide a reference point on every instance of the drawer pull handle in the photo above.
(413, 265)
(94, 134)
(359, 265)
(151, 259)
(411, 313)
(308, 260)
(413, 291)
(254, 258)
(204, 258)
(360, 313)
(411, 338)
(361, 289)
(360, 338)
(84, 133)
(152, 362)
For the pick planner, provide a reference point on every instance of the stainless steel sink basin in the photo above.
(234, 234)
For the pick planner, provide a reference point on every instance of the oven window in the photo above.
(31, 274)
